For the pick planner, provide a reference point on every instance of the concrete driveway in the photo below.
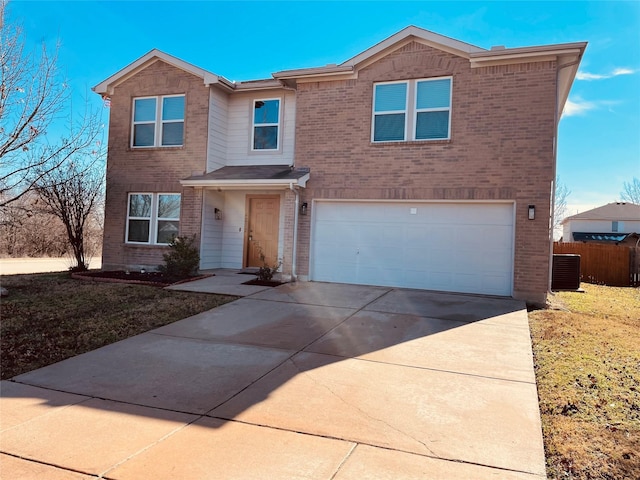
(303, 381)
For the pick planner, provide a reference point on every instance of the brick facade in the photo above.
(501, 147)
(152, 170)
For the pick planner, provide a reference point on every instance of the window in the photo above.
(616, 226)
(390, 112)
(266, 121)
(158, 121)
(153, 218)
(425, 117)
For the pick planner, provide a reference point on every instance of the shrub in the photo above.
(267, 270)
(183, 259)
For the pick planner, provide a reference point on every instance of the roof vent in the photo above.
(498, 47)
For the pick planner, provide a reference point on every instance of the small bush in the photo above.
(183, 259)
(267, 271)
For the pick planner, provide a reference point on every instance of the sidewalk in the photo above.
(16, 266)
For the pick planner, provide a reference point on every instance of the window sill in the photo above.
(411, 143)
(146, 245)
(146, 149)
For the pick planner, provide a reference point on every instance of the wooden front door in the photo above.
(262, 230)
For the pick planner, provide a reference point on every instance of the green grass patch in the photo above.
(587, 359)
(49, 317)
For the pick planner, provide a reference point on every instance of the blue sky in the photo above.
(599, 139)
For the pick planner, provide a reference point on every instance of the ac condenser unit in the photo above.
(566, 272)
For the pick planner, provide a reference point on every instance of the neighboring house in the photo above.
(422, 162)
(612, 223)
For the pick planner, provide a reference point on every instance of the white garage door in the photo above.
(455, 247)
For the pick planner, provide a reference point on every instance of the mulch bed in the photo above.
(147, 278)
(263, 283)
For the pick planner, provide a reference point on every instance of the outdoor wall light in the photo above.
(303, 208)
(218, 213)
(532, 212)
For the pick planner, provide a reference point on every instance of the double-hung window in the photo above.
(153, 218)
(266, 124)
(158, 121)
(412, 110)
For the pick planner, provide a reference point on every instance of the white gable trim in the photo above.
(408, 35)
(106, 87)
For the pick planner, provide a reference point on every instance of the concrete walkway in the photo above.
(303, 381)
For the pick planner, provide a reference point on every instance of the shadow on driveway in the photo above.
(445, 376)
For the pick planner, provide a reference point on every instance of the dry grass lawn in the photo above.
(49, 317)
(587, 356)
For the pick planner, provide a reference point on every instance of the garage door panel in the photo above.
(452, 247)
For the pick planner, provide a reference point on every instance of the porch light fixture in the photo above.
(218, 213)
(303, 208)
(532, 212)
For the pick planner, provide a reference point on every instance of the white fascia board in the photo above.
(526, 54)
(423, 36)
(230, 184)
(331, 70)
(106, 87)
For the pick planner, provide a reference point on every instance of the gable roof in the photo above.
(568, 56)
(610, 211)
(106, 87)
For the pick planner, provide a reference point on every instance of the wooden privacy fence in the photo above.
(614, 265)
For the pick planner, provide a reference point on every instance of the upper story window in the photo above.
(266, 124)
(153, 218)
(412, 110)
(616, 226)
(158, 121)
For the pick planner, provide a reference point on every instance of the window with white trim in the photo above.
(158, 121)
(412, 110)
(153, 218)
(617, 226)
(266, 124)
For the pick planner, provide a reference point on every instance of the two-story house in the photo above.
(614, 222)
(423, 162)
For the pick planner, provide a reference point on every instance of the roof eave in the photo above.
(106, 87)
(273, 184)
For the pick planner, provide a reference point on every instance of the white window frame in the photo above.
(254, 125)
(158, 122)
(411, 111)
(417, 110)
(390, 112)
(617, 226)
(153, 218)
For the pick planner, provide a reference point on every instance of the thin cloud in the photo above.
(577, 107)
(623, 71)
(596, 76)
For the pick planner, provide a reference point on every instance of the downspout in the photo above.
(294, 253)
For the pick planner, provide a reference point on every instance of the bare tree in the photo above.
(73, 195)
(631, 191)
(28, 232)
(32, 96)
(561, 195)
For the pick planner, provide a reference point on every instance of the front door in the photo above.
(262, 230)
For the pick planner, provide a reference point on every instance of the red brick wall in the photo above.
(501, 147)
(152, 169)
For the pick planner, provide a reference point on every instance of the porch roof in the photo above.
(251, 176)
